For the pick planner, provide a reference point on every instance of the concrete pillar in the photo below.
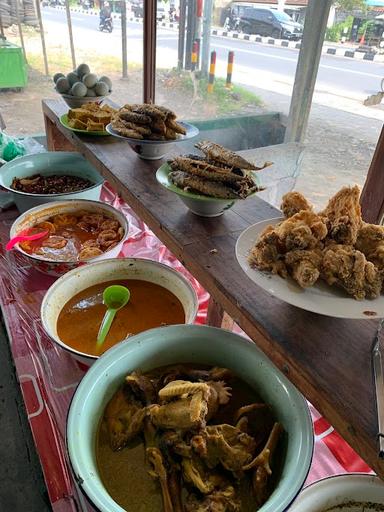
(307, 65)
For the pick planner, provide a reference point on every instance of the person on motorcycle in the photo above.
(105, 12)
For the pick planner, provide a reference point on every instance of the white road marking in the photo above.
(279, 57)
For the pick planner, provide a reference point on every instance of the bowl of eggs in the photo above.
(81, 86)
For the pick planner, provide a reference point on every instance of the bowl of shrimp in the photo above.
(76, 232)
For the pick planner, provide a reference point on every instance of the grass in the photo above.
(225, 100)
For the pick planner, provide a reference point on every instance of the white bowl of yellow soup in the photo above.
(72, 308)
(59, 261)
(342, 493)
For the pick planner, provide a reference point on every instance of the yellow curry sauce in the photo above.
(150, 305)
(124, 472)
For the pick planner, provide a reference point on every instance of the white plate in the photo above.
(320, 298)
(333, 494)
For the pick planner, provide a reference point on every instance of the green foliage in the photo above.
(336, 32)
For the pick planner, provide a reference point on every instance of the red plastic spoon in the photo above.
(22, 238)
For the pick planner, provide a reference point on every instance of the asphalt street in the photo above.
(349, 78)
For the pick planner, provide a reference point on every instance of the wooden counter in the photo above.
(328, 359)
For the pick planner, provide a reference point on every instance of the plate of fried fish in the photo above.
(330, 262)
(210, 184)
(151, 130)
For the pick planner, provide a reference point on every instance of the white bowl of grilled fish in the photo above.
(210, 184)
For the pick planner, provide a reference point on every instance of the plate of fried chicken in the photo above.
(330, 262)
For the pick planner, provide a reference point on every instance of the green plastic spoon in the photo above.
(115, 297)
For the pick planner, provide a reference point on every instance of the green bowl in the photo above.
(201, 205)
(51, 162)
(188, 344)
(64, 122)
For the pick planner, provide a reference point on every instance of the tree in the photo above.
(351, 5)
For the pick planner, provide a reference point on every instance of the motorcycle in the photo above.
(232, 23)
(106, 24)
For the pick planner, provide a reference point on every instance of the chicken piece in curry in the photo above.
(186, 438)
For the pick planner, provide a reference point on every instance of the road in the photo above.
(255, 64)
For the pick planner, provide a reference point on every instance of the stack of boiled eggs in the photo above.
(81, 83)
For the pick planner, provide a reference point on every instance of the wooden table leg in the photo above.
(217, 317)
(55, 140)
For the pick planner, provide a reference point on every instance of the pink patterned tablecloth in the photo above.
(48, 376)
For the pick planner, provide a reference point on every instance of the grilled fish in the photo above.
(121, 129)
(218, 153)
(133, 117)
(149, 110)
(204, 169)
(201, 185)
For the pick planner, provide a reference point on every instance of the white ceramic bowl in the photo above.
(51, 162)
(75, 102)
(44, 211)
(192, 344)
(330, 494)
(155, 150)
(108, 270)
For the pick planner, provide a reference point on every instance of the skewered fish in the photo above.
(226, 156)
(202, 168)
(145, 121)
(209, 188)
(121, 129)
(134, 117)
(149, 110)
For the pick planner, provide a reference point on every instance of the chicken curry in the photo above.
(188, 438)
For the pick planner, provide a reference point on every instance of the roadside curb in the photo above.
(328, 50)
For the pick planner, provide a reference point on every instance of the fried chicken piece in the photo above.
(304, 230)
(344, 215)
(370, 241)
(267, 254)
(304, 266)
(294, 202)
(348, 268)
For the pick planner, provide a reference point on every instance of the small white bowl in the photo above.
(330, 494)
(44, 211)
(155, 149)
(75, 102)
(110, 270)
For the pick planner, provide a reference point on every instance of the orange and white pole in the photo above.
(212, 68)
(228, 82)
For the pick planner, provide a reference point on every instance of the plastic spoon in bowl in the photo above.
(23, 238)
(115, 297)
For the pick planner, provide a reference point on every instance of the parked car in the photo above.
(266, 22)
(138, 10)
(160, 11)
